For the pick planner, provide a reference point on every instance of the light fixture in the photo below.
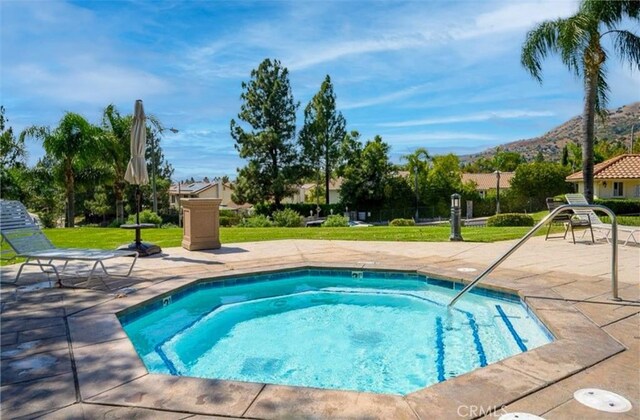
(455, 220)
(604, 184)
(455, 201)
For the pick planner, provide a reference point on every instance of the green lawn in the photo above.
(109, 238)
(623, 220)
(90, 237)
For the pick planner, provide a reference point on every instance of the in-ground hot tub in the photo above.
(372, 331)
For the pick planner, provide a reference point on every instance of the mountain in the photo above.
(617, 127)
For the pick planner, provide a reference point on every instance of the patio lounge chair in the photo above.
(598, 224)
(570, 220)
(27, 240)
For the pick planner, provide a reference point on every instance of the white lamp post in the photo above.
(497, 191)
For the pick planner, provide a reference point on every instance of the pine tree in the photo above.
(322, 134)
(268, 145)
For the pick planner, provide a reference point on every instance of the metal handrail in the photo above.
(548, 218)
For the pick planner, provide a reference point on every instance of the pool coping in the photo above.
(110, 371)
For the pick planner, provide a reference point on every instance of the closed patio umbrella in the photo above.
(137, 169)
(137, 175)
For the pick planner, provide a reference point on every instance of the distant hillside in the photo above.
(616, 127)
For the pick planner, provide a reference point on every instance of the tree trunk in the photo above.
(71, 199)
(277, 195)
(588, 122)
(118, 193)
(327, 178)
(317, 192)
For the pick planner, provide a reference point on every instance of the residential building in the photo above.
(305, 190)
(205, 189)
(618, 177)
(486, 182)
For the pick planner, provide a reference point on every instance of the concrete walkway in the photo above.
(50, 366)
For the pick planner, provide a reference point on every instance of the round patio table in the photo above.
(144, 249)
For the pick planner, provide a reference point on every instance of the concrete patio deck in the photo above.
(64, 354)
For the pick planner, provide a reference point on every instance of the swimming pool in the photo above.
(372, 331)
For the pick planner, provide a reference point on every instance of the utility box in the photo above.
(201, 223)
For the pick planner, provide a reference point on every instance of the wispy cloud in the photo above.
(334, 51)
(436, 137)
(519, 16)
(99, 84)
(390, 97)
(481, 116)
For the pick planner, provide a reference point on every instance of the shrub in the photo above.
(169, 215)
(287, 218)
(620, 206)
(336, 221)
(226, 221)
(47, 219)
(510, 219)
(146, 216)
(402, 222)
(115, 223)
(256, 221)
(302, 208)
(229, 218)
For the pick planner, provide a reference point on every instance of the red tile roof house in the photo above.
(618, 177)
(486, 182)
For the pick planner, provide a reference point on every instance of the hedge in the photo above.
(402, 222)
(304, 209)
(336, 220)
(620, 206)
(510, 219)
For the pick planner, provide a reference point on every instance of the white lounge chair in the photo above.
(27, 240)
(598, 224)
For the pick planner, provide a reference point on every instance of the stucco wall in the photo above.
(630, 188)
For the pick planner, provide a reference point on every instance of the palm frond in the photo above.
(611, 12)
(627, 45)
(573, 39)
(602, 99)
(35, 132)
(539, 43)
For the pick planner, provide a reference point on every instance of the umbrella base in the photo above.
(144, 249)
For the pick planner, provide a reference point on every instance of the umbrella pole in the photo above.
(137, 204)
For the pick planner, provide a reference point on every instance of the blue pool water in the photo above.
(384, 332)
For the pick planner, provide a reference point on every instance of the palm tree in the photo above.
(418, 164)
(116, 146)
(72, 145)
(578, 40)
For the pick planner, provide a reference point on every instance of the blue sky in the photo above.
(444, 75)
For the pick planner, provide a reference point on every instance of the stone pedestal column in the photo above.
(201, 223)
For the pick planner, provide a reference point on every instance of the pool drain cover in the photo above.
(602, 400)
(519, 416)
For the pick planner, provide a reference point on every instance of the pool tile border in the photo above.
(130, 314)
(579, 344)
